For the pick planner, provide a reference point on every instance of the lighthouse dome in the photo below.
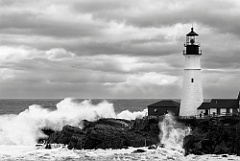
(192, 33)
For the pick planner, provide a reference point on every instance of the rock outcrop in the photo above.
(108, 133)
(219, 135)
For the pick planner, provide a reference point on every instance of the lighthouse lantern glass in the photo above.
(191, 40)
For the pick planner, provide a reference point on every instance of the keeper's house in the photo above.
(214, 107)
(220, 107)
(163, 107)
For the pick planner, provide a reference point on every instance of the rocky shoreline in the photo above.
(219, 135)
(107, 133)
(215, 135)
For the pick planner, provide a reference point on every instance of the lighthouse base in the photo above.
(192, 96)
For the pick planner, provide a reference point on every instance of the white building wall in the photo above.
(212, 110)
(200, 110)
(192, 95)
(223, 110)
(192, 62)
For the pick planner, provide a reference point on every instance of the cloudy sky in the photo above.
(115, 48)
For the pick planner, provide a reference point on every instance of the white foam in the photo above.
(132, 115)
(172, 133)
(24, 153)
(25, 128)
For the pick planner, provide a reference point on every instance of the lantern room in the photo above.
(192, 46)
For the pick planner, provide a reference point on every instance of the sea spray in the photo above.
(128, 115)
(25, 128)
(172, 133)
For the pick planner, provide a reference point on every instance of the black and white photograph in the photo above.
(119, 80)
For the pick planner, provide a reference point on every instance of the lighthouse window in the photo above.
(192, 80)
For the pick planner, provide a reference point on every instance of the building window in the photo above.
(218, 111)
(228, 110)
(192, 80)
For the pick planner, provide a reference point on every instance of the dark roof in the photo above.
(224, 103)
(165, 103)
(204, 105)
(192, 33)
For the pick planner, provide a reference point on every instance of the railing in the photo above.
(209, 116)
(197, 116)
(189, 43)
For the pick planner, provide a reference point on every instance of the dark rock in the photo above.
(221, 148)
(42, 140)
(76, 142)
(220, 135)
(207, 145)
(67, 135)
(237, 140)
(135, 140)
(47, 131)
(48, 146)
(109, 133)
(139, 151)
(105, 136)
(53, 138)
(70, 130)
(188, 144)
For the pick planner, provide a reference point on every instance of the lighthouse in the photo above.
(192, 95)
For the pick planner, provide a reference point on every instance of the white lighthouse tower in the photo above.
(192, 95)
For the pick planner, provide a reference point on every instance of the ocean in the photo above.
(15, 106)
(21, 121)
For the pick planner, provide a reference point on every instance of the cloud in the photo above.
(221, 83)
(48, 22)
(54, 70)
(28, 57)
(143, 83)
(17, 53)
(7, 74)
(150, 78)
(58, 54)
(165, 13)
(110, 48)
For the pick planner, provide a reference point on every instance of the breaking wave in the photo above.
(172, 133)
(25, 128)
